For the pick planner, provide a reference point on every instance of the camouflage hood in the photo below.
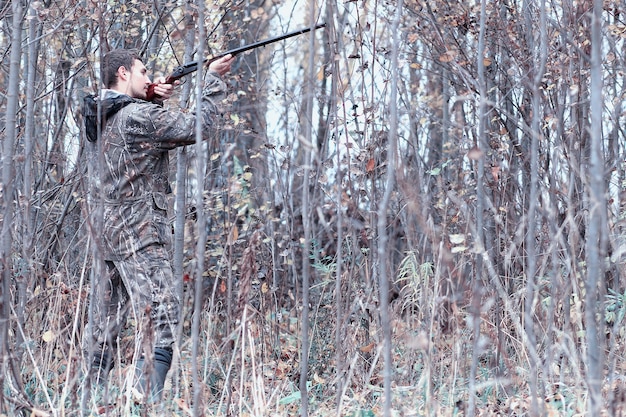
(111, 103)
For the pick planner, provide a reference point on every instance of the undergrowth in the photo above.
(253, 368)
(250, 340)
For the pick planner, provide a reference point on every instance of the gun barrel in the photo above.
(188, 68)
(258, 44)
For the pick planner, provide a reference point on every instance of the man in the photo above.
(135, 137)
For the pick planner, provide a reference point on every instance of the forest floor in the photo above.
(255, 371)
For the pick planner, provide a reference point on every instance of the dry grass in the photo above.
(253, 369)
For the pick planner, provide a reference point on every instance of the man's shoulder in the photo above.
(143, 118)
(113, 102)
(144, 110)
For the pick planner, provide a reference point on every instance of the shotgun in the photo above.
(185, 69)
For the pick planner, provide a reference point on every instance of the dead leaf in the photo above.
(495, 172)
(48, 336)
(456, 239)
(448, 56)
(233, 235)
(367, 348)
(182, 404)
(318, 379)
(475, 153)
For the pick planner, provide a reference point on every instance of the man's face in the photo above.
(138, 81)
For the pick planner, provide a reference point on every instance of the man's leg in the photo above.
(108, 313)
(155, 302)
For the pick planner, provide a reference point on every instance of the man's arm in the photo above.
(220, 67)
(157, 127)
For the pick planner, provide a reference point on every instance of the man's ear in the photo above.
(122, 73)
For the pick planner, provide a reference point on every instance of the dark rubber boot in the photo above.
(96, 380)
(101, 365)
(156, 381)
(162, 363)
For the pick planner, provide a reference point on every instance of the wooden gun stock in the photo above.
(185, 69)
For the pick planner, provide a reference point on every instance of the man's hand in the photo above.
(164, 91)
(222, 65)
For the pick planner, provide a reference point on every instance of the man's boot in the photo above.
(101, 364)
(156, 381)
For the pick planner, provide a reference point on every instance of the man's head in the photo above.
(123, 71)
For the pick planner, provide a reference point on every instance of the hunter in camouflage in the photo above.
(136, 136)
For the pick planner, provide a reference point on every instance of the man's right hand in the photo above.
(222, 65)
(161, 89)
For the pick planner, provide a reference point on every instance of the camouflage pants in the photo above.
(142, 288)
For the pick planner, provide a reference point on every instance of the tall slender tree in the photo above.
(7, 195)
(596, 244)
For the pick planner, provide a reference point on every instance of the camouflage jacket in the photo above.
(135, 139)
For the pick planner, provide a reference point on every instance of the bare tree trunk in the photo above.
(482, 144)
(28, 275)
(6, 194)
(384, 251)
(252, 105)
(340, 330)
(615, 163)
(596, 236)
(182, 166)
(201, 229)
(306, 219)
(531, 234)
(95, 205)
